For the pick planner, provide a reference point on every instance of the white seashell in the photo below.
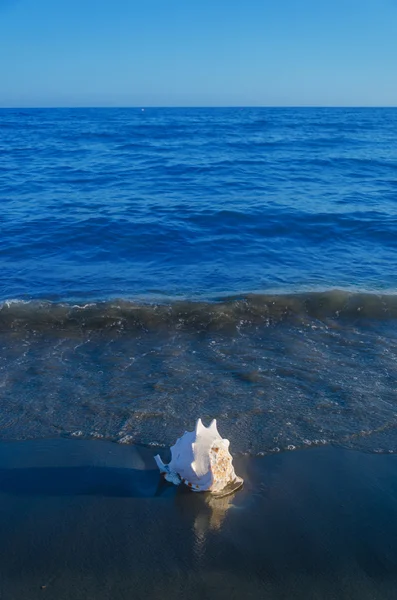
(201, 459)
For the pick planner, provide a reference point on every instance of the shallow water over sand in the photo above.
(279, 373)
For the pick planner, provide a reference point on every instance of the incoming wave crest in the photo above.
(228, 313)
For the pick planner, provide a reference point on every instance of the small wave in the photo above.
(229, 313)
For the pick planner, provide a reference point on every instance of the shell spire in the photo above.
(201, 459)
(214, 427)
(199, 426)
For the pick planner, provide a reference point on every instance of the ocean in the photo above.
(160, 265)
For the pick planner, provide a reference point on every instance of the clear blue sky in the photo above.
(198, 52)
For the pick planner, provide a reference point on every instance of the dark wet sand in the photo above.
(89, 520)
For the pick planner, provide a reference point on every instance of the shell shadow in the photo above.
(80, 481)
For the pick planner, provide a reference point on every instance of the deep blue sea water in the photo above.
(107, 203)
(162, 264)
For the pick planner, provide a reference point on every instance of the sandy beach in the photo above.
(90, 519)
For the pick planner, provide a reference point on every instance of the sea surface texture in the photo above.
(158, 265)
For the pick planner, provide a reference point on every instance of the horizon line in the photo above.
(157, 106)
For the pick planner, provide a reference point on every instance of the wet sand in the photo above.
(91, 520)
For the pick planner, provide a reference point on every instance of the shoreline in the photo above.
(92, 519)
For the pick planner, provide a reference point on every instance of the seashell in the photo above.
(201, 460)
